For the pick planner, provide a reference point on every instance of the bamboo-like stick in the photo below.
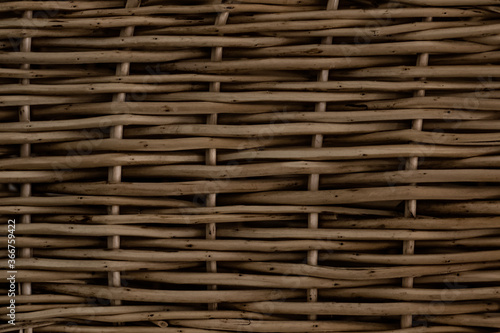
(96, 122)
(234, 279)
(97, 88)
(172, 189)
(190, 10)
(370, 309)
(448, 33)
(175, 296)
(373, 194)
(359, 152)
(51, 276)
(55, 76)
(201, 244)
(425, 137)
(397, 48)
(52, 73)
(482, 242)
(29, 325)
(398, 32)
(165, 256)
(162, 145)
(48, 210)
(253, 131)
(275, 209)
(168, 218)
(45, 176)
(384, 30)
(359, 116)
(414, 259)
(106, 230)
(30, 33)
(97, 22)
(89, 311)
(17, 100)
(44, 299)
(294, 64)
(368, 13)
(248, 325)
(275, 96)
(124, 329)
(480, 104)
(97, 329)
(417, 223)
(39, 307)
(62, 163)
(352, 234)
(260, 27)
(260, 169)
(451, 2)
(168, 315)
(444, 71)
(346, 273)
(414, 176)
(57, 5)
(94, 57)
(363, 86)
(53, 242)
(56, 136)
(156, 108)
(96, 265)
(95, 200)
(158, 42)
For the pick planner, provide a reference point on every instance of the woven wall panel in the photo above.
(251, 166)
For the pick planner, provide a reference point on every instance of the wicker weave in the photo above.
(251, 166)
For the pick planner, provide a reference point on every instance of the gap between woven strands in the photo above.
(211, 155)
(411, 205)
(313, 183)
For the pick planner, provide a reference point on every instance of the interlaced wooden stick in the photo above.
(313, 184)
(211, 155)
(115, 172)
(411, 205)
(25, 151)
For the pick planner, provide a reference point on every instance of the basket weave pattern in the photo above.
(252, 166)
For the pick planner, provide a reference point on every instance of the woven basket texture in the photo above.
(201, 166)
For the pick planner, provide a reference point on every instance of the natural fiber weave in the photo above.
(196, 166)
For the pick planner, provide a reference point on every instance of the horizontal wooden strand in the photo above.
(373, 309)
(361, 273)
(172, 189)
(53, 229)
(232, 171)
(164, 256)
(98, 200)
(415, 294)
(248, 325)
(62, 164)
(351, 234)
(261, 130)
(360, 152)
(174, 296)
(95, 265)
(163, 145)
